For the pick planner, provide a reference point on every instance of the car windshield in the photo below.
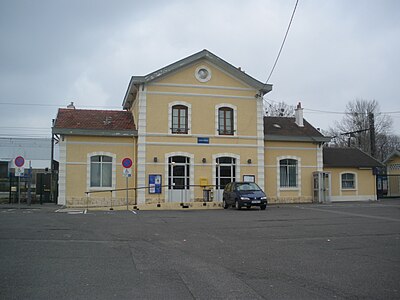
(248, 186)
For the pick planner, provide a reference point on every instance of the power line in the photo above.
(283, 42)
(5, 135)
(310, 110)
(390, 112)
(348, 113)
(326, 111)
(26, 128)
(54, 105)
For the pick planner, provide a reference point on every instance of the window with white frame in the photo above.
(225, 121)
(100, 171)
(179, 119)
(348, 181)
(288, 173)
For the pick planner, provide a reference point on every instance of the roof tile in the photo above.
(94, 119)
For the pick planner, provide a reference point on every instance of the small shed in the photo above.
(352, 174)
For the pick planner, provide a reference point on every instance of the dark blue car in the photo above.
(244, 194)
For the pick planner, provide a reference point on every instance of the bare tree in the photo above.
(355, 127)
(387, 144)
(278, 109)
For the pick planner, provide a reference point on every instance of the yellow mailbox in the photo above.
(203, 181)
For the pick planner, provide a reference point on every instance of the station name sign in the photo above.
(203, 140)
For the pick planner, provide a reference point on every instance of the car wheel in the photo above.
(263, 207)
(237, 205)
(224, 204)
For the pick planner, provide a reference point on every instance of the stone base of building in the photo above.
(289, 200)
(106, 203)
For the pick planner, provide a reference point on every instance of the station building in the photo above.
(190, 127)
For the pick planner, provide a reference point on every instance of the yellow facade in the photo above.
(306, 153)
(393, 165)
(75, 170)
(393, 170)
(364, 185)
(203, 100)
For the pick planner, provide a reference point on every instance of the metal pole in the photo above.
(29, 183)
(127, 193)
(52, 198)
(19, 193)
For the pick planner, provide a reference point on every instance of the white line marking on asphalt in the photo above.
(134, 212)
(352, 214)
(74, 212)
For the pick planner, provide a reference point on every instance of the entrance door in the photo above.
(225, 173)
(178, 178)
(321, 187)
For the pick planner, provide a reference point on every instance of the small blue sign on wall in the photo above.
(203, 140)
(155, 184)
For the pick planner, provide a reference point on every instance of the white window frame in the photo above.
(278, 175)
(113, 172)
(235, 128)
(214, 166)
(189, 117)
(355, 181)
(191, 172)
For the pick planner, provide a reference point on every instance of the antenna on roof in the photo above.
(71, 105)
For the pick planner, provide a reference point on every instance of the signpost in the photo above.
(127, 172)
(19, 162)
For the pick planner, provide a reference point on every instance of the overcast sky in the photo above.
(54, 52)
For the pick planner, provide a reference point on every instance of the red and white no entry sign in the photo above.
(127, 162)
(19, 161)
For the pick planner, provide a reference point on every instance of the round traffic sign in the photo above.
(127, 162)
(19, 161)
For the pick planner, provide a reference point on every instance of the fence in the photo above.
(32, 187)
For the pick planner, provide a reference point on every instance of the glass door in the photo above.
(178, 178)
(225, 173)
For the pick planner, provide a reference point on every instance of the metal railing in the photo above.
(208, 194)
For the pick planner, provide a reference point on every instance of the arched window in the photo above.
(348, 181)
(225, 171)
(225, 121)
(100, 171)
(179, 119)
(288, 172)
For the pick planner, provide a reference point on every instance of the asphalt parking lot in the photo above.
(349, 250)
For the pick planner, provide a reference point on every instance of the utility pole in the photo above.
(372, 133)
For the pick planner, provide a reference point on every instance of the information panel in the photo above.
(155, 184)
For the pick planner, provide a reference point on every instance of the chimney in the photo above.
(298, 112)
(71, 105)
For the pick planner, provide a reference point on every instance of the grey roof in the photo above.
(391, 156)
(204, 54)
(285, 129)
(348, 157)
